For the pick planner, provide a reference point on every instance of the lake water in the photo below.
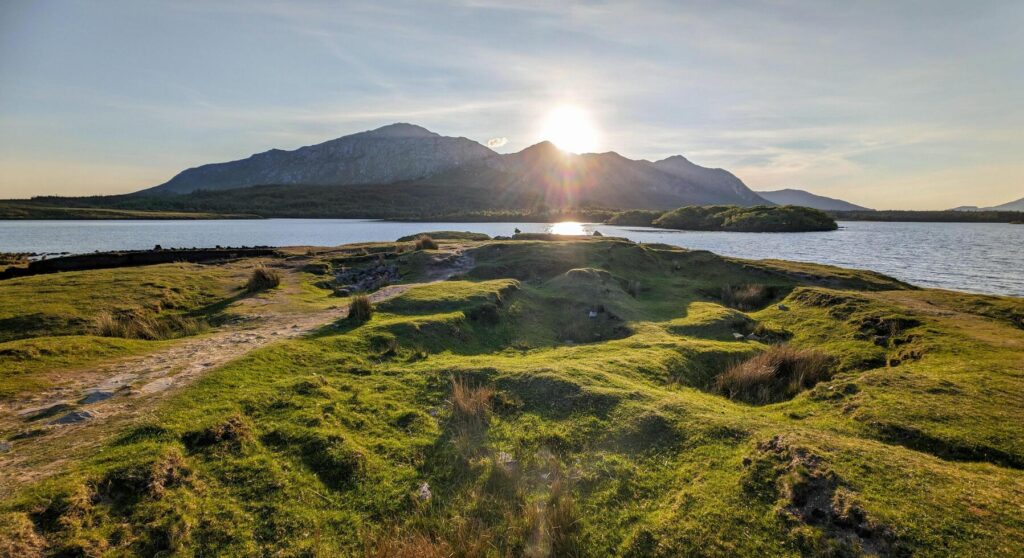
(975, 257)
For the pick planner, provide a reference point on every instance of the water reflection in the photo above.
(567, 227)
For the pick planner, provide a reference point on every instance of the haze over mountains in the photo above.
(1015, 205)
(409, 154)
(790, 196)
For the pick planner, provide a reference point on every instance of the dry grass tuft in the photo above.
(360, 310)
(775, 375)
(424, 242)
(262, 278)
(137, 323)
(746, 297)
(470, 404)
(413, 545)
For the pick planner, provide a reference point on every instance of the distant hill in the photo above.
(790, 196)
(1016, 205)
(411, 155)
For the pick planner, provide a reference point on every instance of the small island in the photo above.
(762, 218)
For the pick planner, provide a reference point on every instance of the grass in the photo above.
(360, 309)
(320, 445)
(777, 374)
(424, 242)
(137, 323)
(262, 279)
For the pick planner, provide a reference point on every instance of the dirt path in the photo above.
(95, 398)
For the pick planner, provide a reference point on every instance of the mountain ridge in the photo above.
(539, 174)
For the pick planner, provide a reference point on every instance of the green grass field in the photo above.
(557, 400)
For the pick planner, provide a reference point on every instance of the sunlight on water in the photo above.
(567, 227)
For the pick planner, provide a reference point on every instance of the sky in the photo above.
(889, 104)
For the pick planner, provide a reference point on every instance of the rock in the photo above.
(737, 336)
(783, 307)
(5, 447)
(74, 417)
(593, 314)
(424, 493)
(95, 397)
(753, 337)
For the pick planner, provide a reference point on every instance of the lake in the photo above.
(975, 257)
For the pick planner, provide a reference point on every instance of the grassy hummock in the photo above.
(586, 397)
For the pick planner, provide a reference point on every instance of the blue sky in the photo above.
(888, 104)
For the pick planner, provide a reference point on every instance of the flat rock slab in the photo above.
(47, 410)
(74, 417)
(95, 397)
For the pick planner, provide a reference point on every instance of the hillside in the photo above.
(574, 397)
(791, 196)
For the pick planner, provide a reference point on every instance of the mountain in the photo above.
(394, 153)
(541, 174)
(790, 196)
(720, 180)
(1016, 205)
(544, 174)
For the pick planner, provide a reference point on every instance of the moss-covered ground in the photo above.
(558, 400)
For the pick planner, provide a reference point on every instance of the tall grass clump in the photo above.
(137, 323)
(424, 242)
(471, 407)
(775, 375)
(748, 297)
(262, 278)
(360, 310)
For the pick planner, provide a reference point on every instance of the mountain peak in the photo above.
(400, 130)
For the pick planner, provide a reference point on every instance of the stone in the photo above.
(738, 336)
(74, 417)
(95, 397)
(424, 493)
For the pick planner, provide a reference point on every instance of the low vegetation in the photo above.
(360, 309)
(424, 242)
(777, 374)
(446, 235)
(138, 323)
(588, 397)
(262, 278)
(634, 218)
(763, 218)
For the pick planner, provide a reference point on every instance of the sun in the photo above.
(571, 129)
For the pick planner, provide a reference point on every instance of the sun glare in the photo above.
(567, 227)
(571, 129)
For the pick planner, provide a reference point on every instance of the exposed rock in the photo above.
(95, 397)
(74, 417)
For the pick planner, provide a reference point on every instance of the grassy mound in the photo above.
(459, 420)
(787, 218)
(447, 235)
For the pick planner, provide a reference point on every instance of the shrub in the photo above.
(262, 278)
(360, 310)
(775, 375)
(424, 242)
